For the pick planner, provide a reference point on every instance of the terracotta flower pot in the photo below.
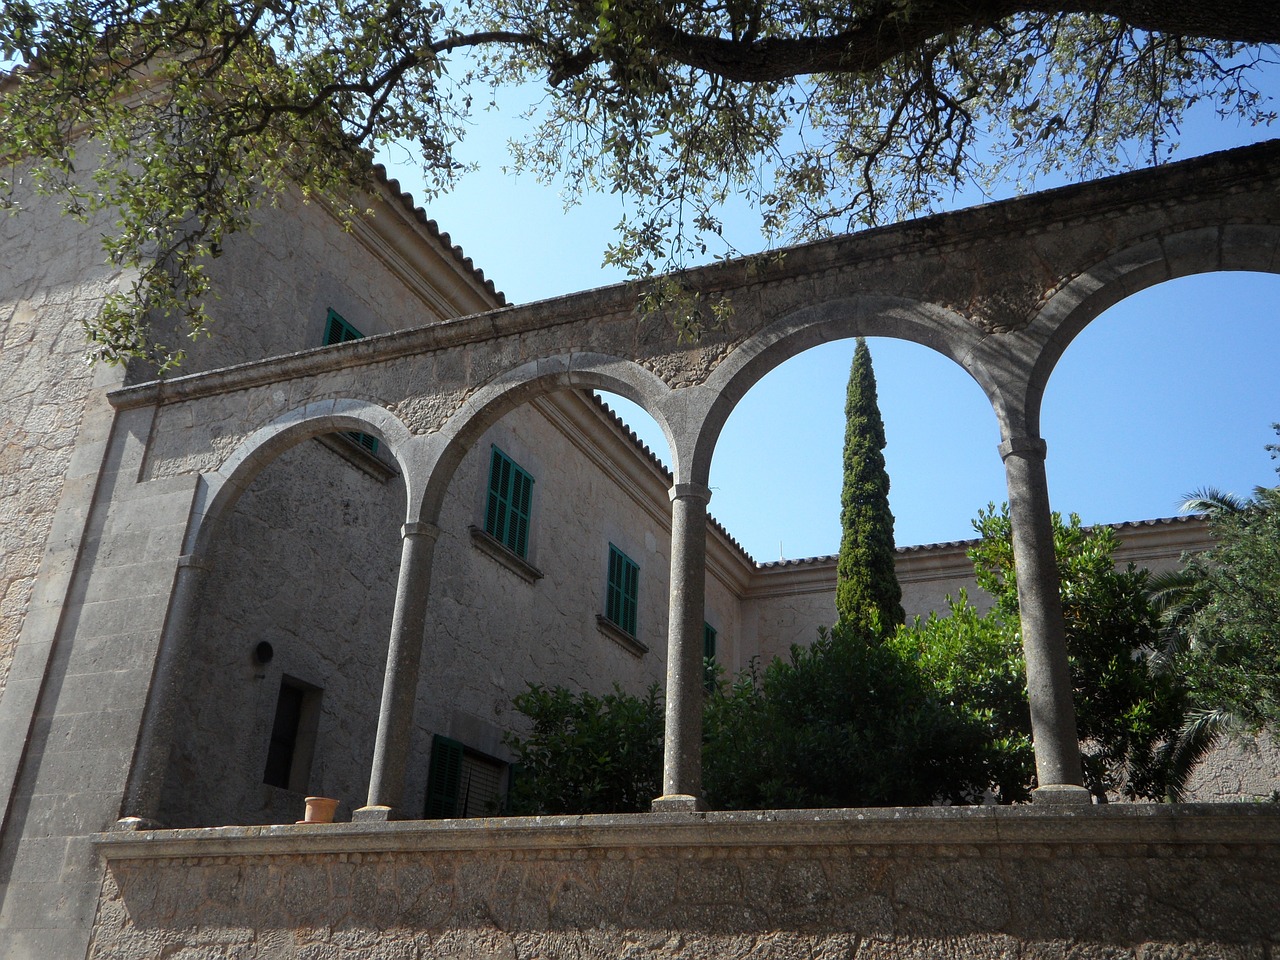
(320, 810)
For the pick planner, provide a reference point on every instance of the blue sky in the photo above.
(1173, 389)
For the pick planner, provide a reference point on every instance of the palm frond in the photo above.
(1211, 500)
(1201, 731)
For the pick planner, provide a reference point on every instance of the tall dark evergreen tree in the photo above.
(868, 596)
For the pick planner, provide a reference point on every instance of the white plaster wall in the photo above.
(52, 279)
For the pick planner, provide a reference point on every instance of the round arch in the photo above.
(929, 325)
(446, 448)
(1233, 247)
(220, 489)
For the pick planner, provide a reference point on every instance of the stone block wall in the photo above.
(279, 280)
(788, 600)
(1133, 883)
(52, 280)
(1239, 771)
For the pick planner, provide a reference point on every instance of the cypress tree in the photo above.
(868, 596)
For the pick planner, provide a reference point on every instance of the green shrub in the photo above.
(587, 754)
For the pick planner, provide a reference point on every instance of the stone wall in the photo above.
(309, 558)
(52, 280)
(307, 562)
(278, 281)
(786, 601)
(1133, 883)
(1239, 771)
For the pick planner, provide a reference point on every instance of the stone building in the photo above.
(199, 577)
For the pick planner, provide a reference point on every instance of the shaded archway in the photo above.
(244, 644)
(443, 453)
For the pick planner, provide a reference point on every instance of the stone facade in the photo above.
(190, 520)
(786, 598)
(46, 388)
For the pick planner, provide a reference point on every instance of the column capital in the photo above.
(690, 491)
(1023, 447)
(419, 528)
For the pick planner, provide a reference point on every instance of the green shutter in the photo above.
(521, 500)
(444, 777)
(337, 330)
(622, 591)
(506, 515)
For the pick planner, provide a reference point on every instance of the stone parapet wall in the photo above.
(1033, 883)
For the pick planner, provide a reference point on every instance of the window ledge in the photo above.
(498, 551)
(620, 636)
(358, 456)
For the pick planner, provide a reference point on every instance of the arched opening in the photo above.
(281, 676)
(1170, 390)
(777, 473)
(545, 502)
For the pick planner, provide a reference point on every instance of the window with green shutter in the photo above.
(462, 782)
(444, 777)
(337, 330)
(510, 499)
(622, 591)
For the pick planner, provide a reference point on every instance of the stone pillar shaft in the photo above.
(400, 683)
(145, 789)
(1053, 718)
(682, 748)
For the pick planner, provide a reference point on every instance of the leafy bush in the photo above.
(1232, 655)
(974, 662)
(587, 754)
(937, 713)
(848, 721)
(1126, 712)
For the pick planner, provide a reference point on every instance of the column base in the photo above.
(1068, 794)
(677, 803)
(373, 814)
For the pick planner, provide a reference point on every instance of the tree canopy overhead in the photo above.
(825, 116)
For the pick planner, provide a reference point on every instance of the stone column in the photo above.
(400, 684)
(141, 807)
(682, 749)
(1053, 717)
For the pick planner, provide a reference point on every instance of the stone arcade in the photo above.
(159, 485)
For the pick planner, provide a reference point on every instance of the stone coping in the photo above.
(1213, 828)
(1218, 173)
